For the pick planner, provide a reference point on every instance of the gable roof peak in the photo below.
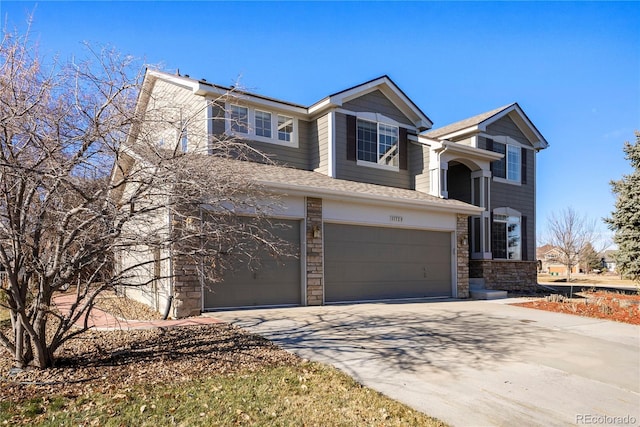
(476, 124)
(389, 88)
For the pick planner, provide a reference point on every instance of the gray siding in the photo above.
(314, 145)
(321, 156)
(519, 197)
(506, 126)
(419, 167)
(349, 170)
(376, 102)
(289, 156)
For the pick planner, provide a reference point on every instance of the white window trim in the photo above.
(251, 134)
(271, 120)
(507, 141)
(392, 123)
(377, 165)
(509, 212)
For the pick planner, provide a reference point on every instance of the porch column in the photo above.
(438, 177)
(480, 225)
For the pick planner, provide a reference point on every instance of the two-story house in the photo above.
(380, 205)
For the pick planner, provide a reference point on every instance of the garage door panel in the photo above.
(374, 262)
(271, 282)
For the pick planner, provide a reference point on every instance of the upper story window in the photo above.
(512, 166)
(263, 124)
(377, 143)
(285, 128)
(260, 125)
(239, 119)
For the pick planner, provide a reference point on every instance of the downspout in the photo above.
(167, 309)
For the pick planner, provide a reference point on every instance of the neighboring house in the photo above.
(380, 206)
(549, 261)
(609, 260)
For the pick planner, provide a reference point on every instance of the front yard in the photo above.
(195, 375)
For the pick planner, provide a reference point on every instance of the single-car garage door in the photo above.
(275, 282)
(369, 263)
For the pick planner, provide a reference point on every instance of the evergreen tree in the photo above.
(625, 220)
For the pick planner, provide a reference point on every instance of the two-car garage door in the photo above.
(370, 263)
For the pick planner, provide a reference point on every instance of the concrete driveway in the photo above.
(471, 363)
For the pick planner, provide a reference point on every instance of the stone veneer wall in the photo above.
(187, 291)
(505, 275)
(462, 251)
(315, 260)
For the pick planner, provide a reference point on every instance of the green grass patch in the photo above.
(309, 394)
(5, 317)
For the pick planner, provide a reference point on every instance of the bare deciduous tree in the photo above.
(85, 174)
(573, 235)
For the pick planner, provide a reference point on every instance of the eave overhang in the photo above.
(436, 205)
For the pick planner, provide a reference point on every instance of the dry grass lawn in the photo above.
(189, 376)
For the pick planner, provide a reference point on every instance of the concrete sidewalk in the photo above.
(470, 363)
(99, 320)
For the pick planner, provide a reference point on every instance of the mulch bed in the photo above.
(602, 305)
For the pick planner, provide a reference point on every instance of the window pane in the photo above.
(388, 145)
(513, 163)
(184, 140)
(499, 240)
(239, 119)
(367, 141)
(513, 238)
(263, 124)
(500, 166)
(475, 244)
(285, 128)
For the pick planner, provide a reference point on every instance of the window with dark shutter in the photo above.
(523, 176)
(351, 138)
(403, 147)
(499, 166)
(524, 236)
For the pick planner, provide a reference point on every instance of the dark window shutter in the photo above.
(489, 143)
(351, 137)
(489, 147)
(403, 147)
(523, 231)
(523, 156)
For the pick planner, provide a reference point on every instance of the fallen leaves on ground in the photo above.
(106, 361)
(602, 305)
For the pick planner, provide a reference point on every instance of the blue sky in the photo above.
(574, 67)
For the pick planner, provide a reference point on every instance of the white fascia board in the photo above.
(404, 104)
(205, 90)
(176, 80)
(540, 142)
(471, 151)
(399, 99)
(360, 90)
(303, 190)
(462, 132)
(425, 140)
(321, 105)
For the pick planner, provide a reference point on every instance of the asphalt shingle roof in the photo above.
(463, 124)
(314, 182)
